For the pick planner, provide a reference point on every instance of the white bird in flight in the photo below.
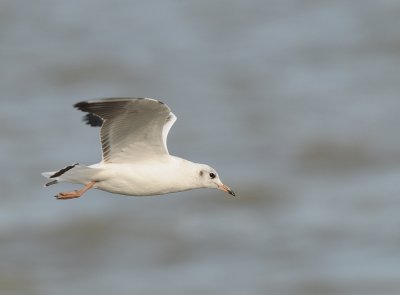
(135, 160)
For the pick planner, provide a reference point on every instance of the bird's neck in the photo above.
(188, 173)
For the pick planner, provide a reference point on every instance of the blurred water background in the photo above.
(295, 102)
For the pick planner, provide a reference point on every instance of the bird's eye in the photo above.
(212, 175)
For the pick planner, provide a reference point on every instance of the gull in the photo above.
(135, 158)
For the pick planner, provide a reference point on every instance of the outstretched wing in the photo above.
(131, 128)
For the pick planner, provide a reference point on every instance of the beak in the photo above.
(226, 189)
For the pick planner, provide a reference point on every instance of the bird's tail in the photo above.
(73, 173)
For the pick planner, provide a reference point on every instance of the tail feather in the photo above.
(73, 173)
(47, 174)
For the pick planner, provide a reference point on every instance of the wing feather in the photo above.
(131, 128)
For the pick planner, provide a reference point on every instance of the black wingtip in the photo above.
(63, 170)
(51, 183)
(82, 105)
(92, 120)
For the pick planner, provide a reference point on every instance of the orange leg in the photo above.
(76, 193)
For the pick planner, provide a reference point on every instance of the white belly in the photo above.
(139, 179)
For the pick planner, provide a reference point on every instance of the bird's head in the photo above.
(208, 177)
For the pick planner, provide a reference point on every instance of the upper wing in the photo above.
(131, 128)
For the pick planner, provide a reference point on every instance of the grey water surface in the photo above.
(295, 103)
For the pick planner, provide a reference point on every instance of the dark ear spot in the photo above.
(201, 173)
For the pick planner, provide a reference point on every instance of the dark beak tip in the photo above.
(231, 193)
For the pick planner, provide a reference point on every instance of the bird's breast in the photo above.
(141, 180)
